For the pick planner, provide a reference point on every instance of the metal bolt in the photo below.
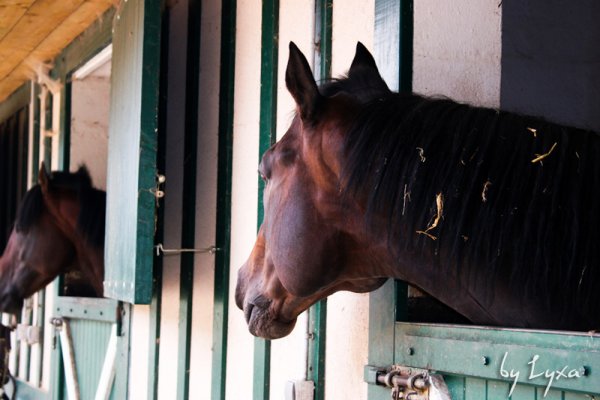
(485, 360)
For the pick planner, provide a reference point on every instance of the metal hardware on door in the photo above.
(408, 383)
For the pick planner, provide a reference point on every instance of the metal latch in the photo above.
(408, 383)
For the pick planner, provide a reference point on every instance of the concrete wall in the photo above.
(457, 49)
(90, 103)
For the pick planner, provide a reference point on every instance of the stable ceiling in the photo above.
(35, 31)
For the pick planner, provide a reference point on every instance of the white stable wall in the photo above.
(89, 124)
(457, 50)
(348, 313)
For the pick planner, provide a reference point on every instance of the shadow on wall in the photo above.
(551, 60)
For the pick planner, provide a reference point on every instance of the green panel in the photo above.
(90, 339)
(90, 322)
(102, 310)
(497, 390)
(462, 388)
(462, 351)
(25, 391)
(130, 221)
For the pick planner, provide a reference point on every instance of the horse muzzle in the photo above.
(263, 324)
(11, 302)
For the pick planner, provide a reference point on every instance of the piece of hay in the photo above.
(486, 186)
(406, 197)
(421, 154)
(533, 131)
(540, 157)
(439, 201)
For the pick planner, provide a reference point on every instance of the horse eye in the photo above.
(262, 176)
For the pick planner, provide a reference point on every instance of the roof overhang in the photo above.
(33, 32)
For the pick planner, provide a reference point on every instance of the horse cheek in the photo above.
(297, 248)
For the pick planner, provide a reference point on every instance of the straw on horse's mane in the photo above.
(92, 201)
(535, 224)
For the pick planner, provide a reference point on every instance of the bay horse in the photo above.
(494, 214)
(59, 229)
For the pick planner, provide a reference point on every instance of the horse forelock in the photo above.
(30, 209)
(503, 216)
(92, 203)
(364, 86)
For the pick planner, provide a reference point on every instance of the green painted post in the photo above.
(268, 123)
(188, 220)
(223, 234)
(317, 314)
(156, 303)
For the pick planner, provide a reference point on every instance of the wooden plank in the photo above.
(17, 67)
(37, 23)
(461, 350)
(11, 12)
(475, 389)
(131, 178)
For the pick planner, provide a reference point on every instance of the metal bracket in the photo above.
(160, 249)
(28, 333)
(408, 383)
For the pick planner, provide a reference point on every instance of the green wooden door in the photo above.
(90, 351)
(131, 178)
(477, 363)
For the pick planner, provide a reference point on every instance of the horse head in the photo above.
(37, 251)
(311, 242)
(59, 230)
(78, 210)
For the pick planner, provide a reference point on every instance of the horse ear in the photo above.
(301, 84)
(43, 177)
(362, 58)
(364, 63)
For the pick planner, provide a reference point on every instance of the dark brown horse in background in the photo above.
(494, 214)
(59, 229)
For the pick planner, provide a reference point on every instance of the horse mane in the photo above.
(91, 220)
(458, 184)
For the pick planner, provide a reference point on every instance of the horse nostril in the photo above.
(248, 312)
(239, 296)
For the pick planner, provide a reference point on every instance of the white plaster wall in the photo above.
(348, 313)
(89, 126)
(138, 356)
(169, 317)
(240, 345)
(206, 189)
(457, 50)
